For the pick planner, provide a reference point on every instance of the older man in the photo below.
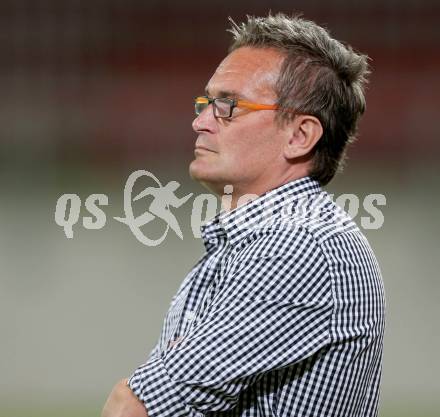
(284, 314)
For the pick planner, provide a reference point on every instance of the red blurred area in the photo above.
(118, 78)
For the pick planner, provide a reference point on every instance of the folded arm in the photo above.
(123, 403)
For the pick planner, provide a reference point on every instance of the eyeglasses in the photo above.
(223, 107)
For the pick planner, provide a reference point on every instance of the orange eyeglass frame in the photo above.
(232, 104)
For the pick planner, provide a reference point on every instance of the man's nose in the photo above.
(205, 121)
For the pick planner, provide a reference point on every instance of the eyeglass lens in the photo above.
(221, 106)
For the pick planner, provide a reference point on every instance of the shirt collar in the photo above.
(212, 232)
(240, 222)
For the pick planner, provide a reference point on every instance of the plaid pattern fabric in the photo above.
(283, 316)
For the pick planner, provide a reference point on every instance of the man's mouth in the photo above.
(202, 149)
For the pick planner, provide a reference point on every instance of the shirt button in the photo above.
(190, 316)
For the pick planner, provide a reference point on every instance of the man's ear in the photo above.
(303, 133)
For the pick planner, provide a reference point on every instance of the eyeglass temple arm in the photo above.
(255, 106)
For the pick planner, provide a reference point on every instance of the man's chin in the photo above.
(206, 178)
(199, 171)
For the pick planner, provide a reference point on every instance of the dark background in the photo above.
(92, 91)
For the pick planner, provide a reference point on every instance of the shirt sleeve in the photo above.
(267, 313)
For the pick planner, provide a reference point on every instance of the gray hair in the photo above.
(319, 76)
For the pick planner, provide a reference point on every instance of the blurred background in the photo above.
(92, 91)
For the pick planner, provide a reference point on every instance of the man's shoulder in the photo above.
(320, 216)
(299, 225)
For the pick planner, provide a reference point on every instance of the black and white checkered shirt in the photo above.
(283, 316)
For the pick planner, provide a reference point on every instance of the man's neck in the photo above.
(236, 196)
